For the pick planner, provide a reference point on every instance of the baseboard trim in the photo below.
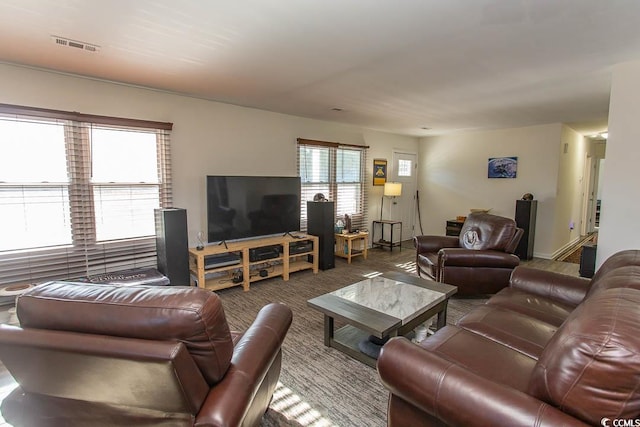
(570, 247)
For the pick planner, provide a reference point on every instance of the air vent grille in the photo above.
(74, 44)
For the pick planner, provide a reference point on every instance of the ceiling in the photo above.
(397, 66)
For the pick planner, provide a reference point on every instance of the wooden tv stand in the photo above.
(216, 278)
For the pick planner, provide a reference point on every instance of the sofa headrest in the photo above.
(590, 367)
(485, 231)
(193, 316)
(617, 260)
(621, 277)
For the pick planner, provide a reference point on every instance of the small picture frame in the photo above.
(379, 171)
(502, 167)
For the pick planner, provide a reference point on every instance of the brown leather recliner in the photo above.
(105, 355)
(479, 261)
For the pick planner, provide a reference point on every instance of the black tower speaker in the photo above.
(526, 219)
(172, 245)
(320, 222)
(588, 260)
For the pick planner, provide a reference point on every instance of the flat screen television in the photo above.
(242, 207)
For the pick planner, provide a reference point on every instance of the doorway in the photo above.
(589, 195)
(593, 169)
(404, 170)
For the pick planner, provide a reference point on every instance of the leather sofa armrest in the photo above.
(425, 244)
(453, 257)
(562, 288)
(453, 394)
(255, 352)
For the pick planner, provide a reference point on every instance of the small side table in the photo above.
(383, 243)
(351, 245)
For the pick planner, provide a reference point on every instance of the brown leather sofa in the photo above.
(105, 355)
(549, 350)
(479, 261)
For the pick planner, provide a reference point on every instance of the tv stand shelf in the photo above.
(282, 265)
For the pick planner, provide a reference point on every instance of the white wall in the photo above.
(207, 138)
(217, 138)
(571, 185)
(382, 147)
(620, 203)
(452, 178)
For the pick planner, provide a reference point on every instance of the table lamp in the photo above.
(391, 189)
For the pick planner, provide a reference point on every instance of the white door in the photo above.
(404, 170)
(589, 208)
(587, 195)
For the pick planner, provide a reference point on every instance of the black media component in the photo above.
(264, 253)
(320, 222)
(588, 260)
(241, 207)
(526, 219)
(221, 260)
(172, 245)
(300, 247)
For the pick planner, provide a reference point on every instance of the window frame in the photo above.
(85, 255)
(358, 219)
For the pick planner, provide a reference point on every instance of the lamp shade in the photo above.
(392, 189)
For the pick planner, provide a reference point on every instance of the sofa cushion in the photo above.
(591, 366)
(134, 276)
(193, 316)
(517, 331)
(482, 356)
(544, 309)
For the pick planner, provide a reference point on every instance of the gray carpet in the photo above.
(322, 386)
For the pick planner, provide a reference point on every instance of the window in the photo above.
(404, 167)
(124, 196)
(337, 171)
(33, 167)
(78, 193)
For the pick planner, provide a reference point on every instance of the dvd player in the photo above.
(300, 247)
(221, 260)
(264, 253)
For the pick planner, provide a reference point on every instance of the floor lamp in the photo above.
(391, 189)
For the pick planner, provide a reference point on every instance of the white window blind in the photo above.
(78, 193)
(337, 171)
(124, 197)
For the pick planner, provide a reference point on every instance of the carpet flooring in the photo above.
(321, 386)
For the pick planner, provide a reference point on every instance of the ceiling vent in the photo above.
(74, 44)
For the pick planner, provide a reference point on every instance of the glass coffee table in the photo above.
(385, 306)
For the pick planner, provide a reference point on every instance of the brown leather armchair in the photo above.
(479, 261)
(104, 355)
